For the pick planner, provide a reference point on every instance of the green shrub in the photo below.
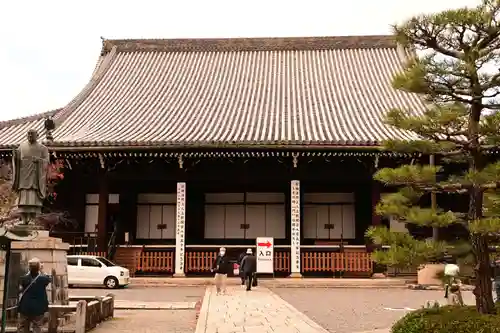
(448, 319)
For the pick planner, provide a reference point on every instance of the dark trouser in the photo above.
(242, 276)
(25, 321)
(249, 279)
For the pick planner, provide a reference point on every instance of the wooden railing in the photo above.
(332, 261)
(79, 241)
(199, 261)
(281, 260)
(156, 262)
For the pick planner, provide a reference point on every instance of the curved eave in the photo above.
(13, 132)
(211, 145)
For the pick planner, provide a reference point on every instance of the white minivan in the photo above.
(94, 270)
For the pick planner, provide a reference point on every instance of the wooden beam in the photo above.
(102, 216)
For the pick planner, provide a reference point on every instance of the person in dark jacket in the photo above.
(221, 267)
(249, 268)
(240, 259)
(33, 303)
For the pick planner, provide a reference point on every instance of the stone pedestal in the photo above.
(427, 276)
(295, 275)
(52, 254)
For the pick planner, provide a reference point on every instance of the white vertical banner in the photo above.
(180, 226)
(295, 226)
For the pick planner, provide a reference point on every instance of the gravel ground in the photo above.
(338, 310)
(157, 294)
(355, 310)
(150, 321)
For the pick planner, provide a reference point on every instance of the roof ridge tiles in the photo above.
(249, 44)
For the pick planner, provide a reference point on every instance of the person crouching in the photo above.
(249, 268)
(221, 267)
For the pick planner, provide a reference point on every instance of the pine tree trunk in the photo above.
(482, 269)
(483, 286)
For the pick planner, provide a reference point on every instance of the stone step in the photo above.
(273, 283)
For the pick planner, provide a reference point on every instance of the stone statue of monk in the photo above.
(30, 168)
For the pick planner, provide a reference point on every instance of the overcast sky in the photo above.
(49, 48)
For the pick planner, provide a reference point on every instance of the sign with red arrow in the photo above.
(266, 244)
(265, 255)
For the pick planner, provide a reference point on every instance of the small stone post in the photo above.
(81, 315)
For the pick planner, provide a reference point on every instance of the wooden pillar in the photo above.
(376, 219)
(102, 217)
(295, 210)
(180, 226)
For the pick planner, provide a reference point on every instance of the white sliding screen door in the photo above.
(244, 215)
(329, 216)
(156, 215)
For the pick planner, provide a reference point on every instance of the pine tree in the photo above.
(454, 67)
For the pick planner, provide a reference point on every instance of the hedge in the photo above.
(448, 319)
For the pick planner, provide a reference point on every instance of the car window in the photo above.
(105, 261)
(73, 261)
(88, 262)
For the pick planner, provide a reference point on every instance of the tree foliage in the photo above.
(455, 68)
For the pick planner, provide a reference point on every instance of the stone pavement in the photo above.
(152, 321)
(259, 311)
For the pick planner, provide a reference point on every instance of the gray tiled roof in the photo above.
(227, 92)
(13, 132)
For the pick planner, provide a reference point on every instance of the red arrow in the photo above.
(266, 244)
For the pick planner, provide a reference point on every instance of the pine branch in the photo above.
(404, 251)
(489, 226)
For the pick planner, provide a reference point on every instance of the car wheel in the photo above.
(111, 282)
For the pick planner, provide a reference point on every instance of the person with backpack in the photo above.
(249, 269)
(242, 276)
(33, 301)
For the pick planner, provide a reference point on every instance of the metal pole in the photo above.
(5, 287)
(435, 230)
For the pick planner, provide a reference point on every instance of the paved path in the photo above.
(259, 311)
(152, 321)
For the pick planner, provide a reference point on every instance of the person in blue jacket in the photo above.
(33, 301)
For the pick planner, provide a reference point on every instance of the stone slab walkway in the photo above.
(259, 311)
